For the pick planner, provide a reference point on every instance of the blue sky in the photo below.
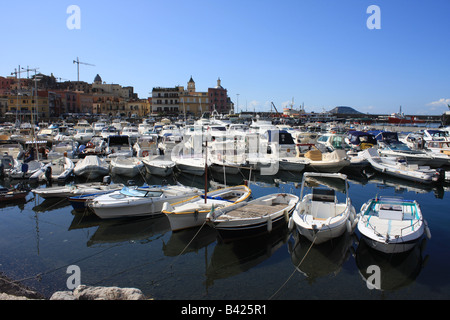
(319, 53)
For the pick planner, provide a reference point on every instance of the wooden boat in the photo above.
(139, 201)
(400, 168)
(254, 217)
(320, 216)
(392, 224)
(91, 167)
(192, 212)
(126, 166)
(12, 194)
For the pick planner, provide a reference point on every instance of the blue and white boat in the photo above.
(392, 224)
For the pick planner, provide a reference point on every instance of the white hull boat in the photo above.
(56, 170)
(192, 212)
(157, 166)
(392, 166)
(23, 170)
(91, 167)
(190, 165)
(326, 162)
(320, 216)
(392, 225)
(139, 201)
(126, 166)
(293, 164)
(75, 190)
(254, 217)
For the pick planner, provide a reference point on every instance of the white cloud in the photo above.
(440, 103)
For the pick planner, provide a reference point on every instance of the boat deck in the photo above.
(253, 211)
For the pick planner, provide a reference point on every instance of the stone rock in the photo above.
(83, 292)
(62, 295)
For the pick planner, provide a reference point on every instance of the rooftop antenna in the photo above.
(78, 62)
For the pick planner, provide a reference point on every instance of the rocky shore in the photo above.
(10, 290)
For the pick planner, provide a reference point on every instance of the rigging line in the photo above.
(189, 243)
(298, 266)
(39, 275)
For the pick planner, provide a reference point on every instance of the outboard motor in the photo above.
(106, 180)
(48, 174)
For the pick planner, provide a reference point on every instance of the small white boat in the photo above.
(157, 166)
(126, 166)
(192, 165)
(320, 216)
(254, 217)
(22, 170)
(56, 170)
(139, 201)
(326, 161)
(395, 167)
(392, 224)
(76, 189)
(192, 212)
(91, 167)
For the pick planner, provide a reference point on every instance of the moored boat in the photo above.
(254, 217)
(320, 216)
(392, 224)
(91, 167)
(139, 201)
(192, 212)
(126, 166)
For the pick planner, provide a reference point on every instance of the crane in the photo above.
(78, 62)
(278, 114)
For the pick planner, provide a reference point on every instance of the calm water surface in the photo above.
(40, 238)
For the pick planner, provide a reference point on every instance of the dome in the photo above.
(98, 79)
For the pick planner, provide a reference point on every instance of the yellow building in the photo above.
(24, 105)
(139, 108)
(192, 102)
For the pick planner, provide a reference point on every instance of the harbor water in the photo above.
(40, 239)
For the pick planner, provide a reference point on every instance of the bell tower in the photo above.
(191, 85)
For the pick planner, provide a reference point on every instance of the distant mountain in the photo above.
(344, 110)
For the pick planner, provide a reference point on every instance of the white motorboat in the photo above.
(326, 161)
(66, 148)
(119, 146)
(254, 217)
(146, 145)
(191, 164)
(392, 224)
(91, 167)
(192, 212)
(139, 201)
(24, 170)
(320, 216)
(400, 168)
(132, 132)
(158, 166)
(84, 135)
(56, 170)
(293, 164)
(126, 166)
(76, 189)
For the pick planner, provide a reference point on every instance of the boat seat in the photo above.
(323, 210)
(391, 212)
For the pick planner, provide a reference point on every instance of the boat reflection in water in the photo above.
(142, 230)
(397, 270)
(319, 260)
(234, 257)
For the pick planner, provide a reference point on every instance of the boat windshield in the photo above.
(147, 193)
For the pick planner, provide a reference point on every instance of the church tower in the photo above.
(191, 85)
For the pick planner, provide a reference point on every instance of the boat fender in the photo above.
(286, 215)
(427, 230)
(355, 222)
(269, 224)
(291, 224)
(349, 226)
